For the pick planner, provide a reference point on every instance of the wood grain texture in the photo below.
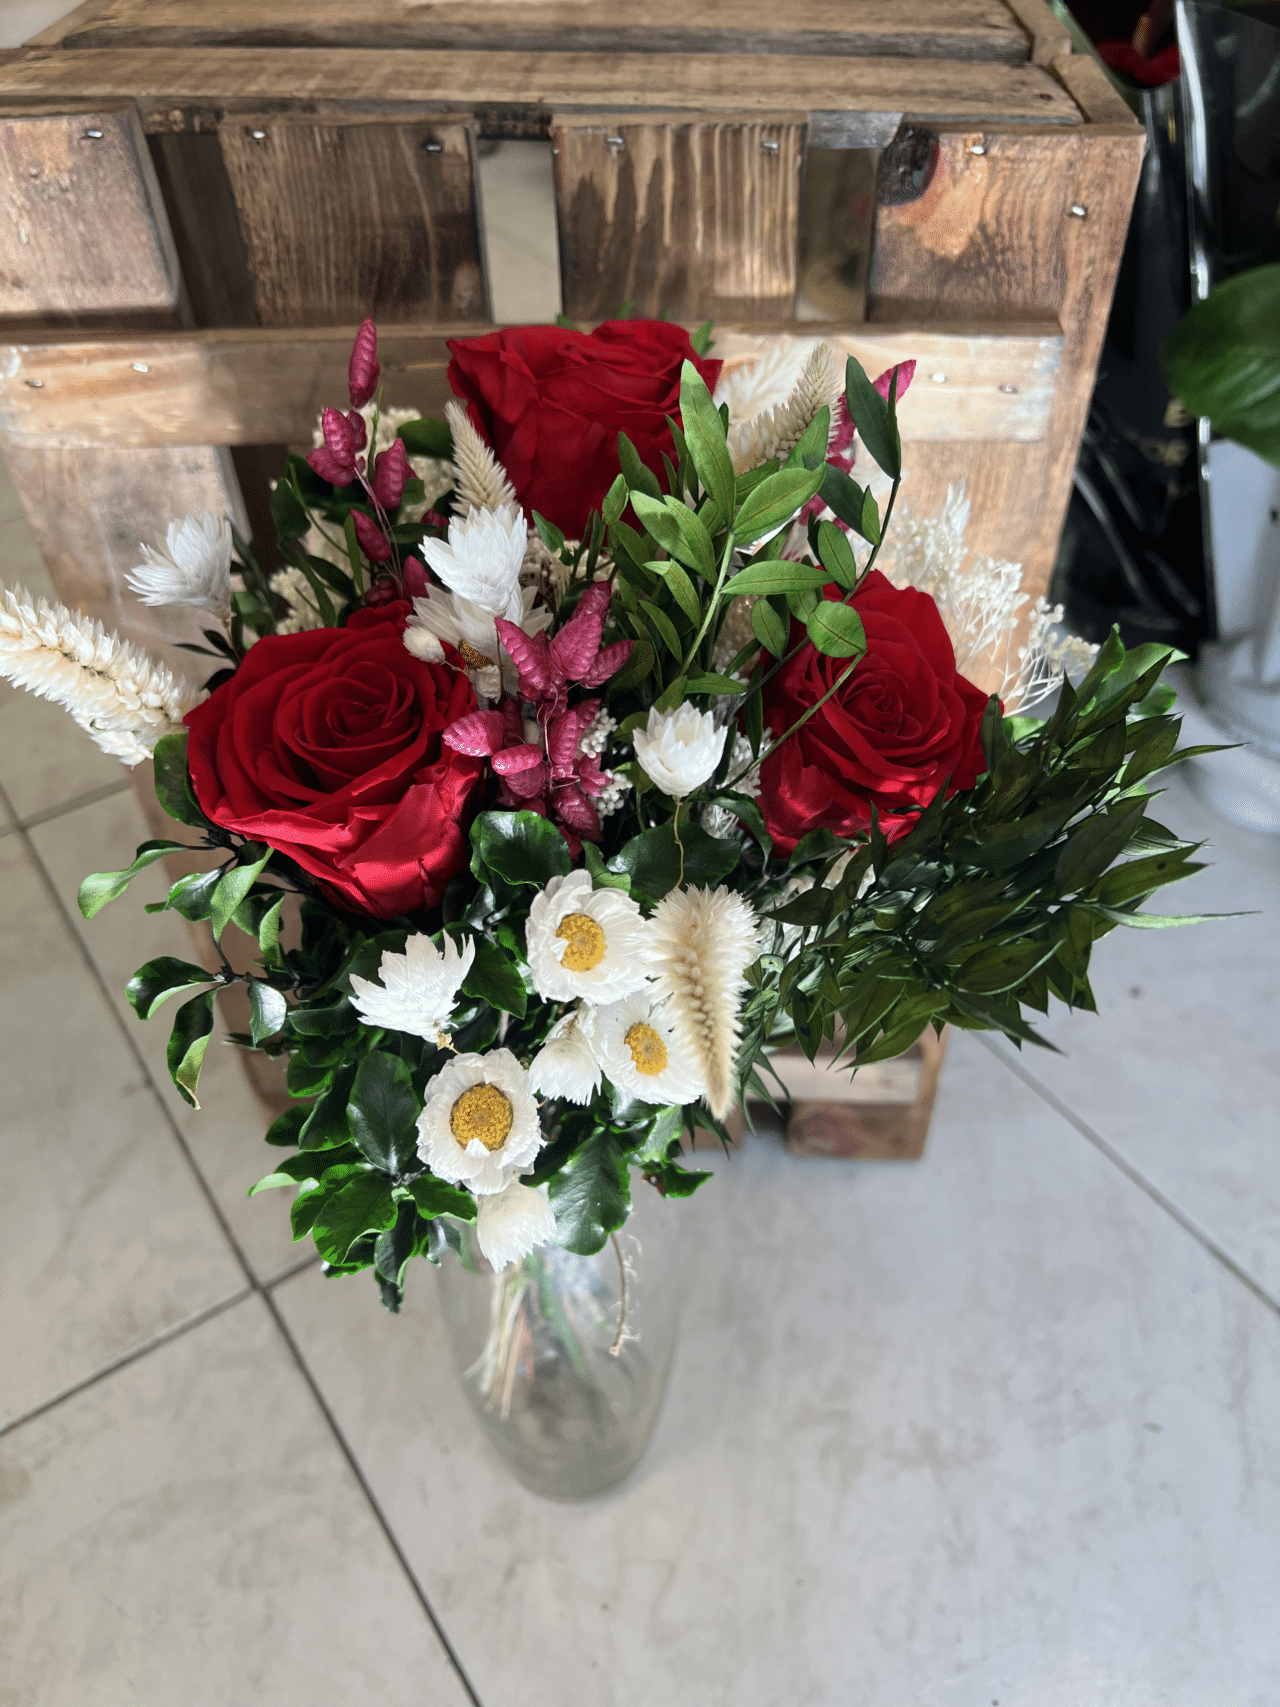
(83, 229)
(344, 219)
(993, 234)
(1050, 39)
(691, 221)
(206, 229)
(853, 1130)
(91, 508)
(1093, 91)
(246, 387)
(948, 29)
(698, 84)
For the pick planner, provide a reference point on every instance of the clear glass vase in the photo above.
(565, 1359)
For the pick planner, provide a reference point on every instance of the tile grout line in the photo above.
(174, 1331)
(1135, 1176)
(90, 797)
(253, 1283)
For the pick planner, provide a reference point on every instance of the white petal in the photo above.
(679, 750)
(565, 1066)
(511, 1223)
(419, 987)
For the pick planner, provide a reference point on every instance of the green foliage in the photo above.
(518, 848)
(159, 979)
(192, 1028)
(1223, 360)
(591, 1194)
(383, 1110)
(653, 859)
(103, 886)
(836, 630)
(173, 784)
(875, 419)
(427, 437)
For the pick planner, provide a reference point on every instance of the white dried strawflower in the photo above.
(419, 987)
(777, 431)
(979, 600)
(123, 699)
(512, 1222)
(480, 481)
(702, 941)
(643, 1051)
(679, 750)
(445, 617)
(192, 568)
(481, 561)
(583, 943)
(565, 1065)
(479, 1127)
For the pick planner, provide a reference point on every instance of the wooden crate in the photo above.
(204, 197)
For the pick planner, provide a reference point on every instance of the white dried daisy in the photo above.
(480, 1124)
(192, 568)
(482, 559)
(679, 750)
(418, 990)
(584, 943)
(444, 616)
(565, 1066)
(512, 1222)
(643, 1052)
(703, 942)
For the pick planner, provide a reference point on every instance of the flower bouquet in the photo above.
(588, 745)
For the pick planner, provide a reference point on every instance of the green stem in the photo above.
(714, 604)
(799, 722)
(675, 831)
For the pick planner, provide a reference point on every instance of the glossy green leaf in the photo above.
(652, 860)
(836, 554)
(775, 576)
(237, 883)
(328, 1123)
(103, 886)
(874, 419)
(192, 896)
(383, 1110)
(774, 502)
(677, 530)
(161, 978)
(427, 437)
(705, 437)
(435, 1197)
(288, 516)
(1223, 360)
(639, 478)
(616, 500)
(769, 628)
(192, 1029)
(363, 1205)
(495, 979)
(521, 848)
(173, 786)
(267, 1010)
(836, 630)
(1094, 845)
(591, 1195)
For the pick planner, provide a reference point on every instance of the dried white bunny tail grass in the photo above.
(480, 481)
(119, 696)
(702, 941)
(749, 387)
(979, 600)
(777, 432)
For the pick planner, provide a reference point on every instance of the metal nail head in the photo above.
(257, 135)
(36, 384)
(1078, 212)
(93, 136)
(615, 142)
(976, 148)
(431, 147)
(140, 367)
(769, 147)
(1009, 388)
(938, 378)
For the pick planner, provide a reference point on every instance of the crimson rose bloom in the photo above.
(326, 746)
(551, 403)
(902, 725)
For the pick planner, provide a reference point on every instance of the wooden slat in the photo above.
(946, 29)
(348, 218)
(680, 220)
(1093, 91)
(246, 387)
(994, 234)
(699, 84)
(1050, 39)
(83, 230)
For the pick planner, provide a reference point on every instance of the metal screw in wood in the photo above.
(257, 135)
(431, 147)
(93, 136)
(615, 143)
(768, 147)
(1078, 212)
(140, 367)
(976, 148)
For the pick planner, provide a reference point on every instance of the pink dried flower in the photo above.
(363, 371)
(479, 734)
(373, 542)
(390, 470)
(335, 459)
(383, 592)
(414, 575)
(575, 655)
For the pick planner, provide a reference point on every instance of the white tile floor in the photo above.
(997, 1429)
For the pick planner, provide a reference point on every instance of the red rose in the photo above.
(902, 724)
(551, 402)
(326, 746)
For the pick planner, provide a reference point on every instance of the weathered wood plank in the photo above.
(84, 230)
(994, 233)
(239, 79)
(343, 219)
(1050, 39)
(1093, 91)
(246, 387)
(680, 220)
(206, 229)
(947, 29)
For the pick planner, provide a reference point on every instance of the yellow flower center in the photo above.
(481, 1112)
(584, 942)
(648, 1051)
(475, 658)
